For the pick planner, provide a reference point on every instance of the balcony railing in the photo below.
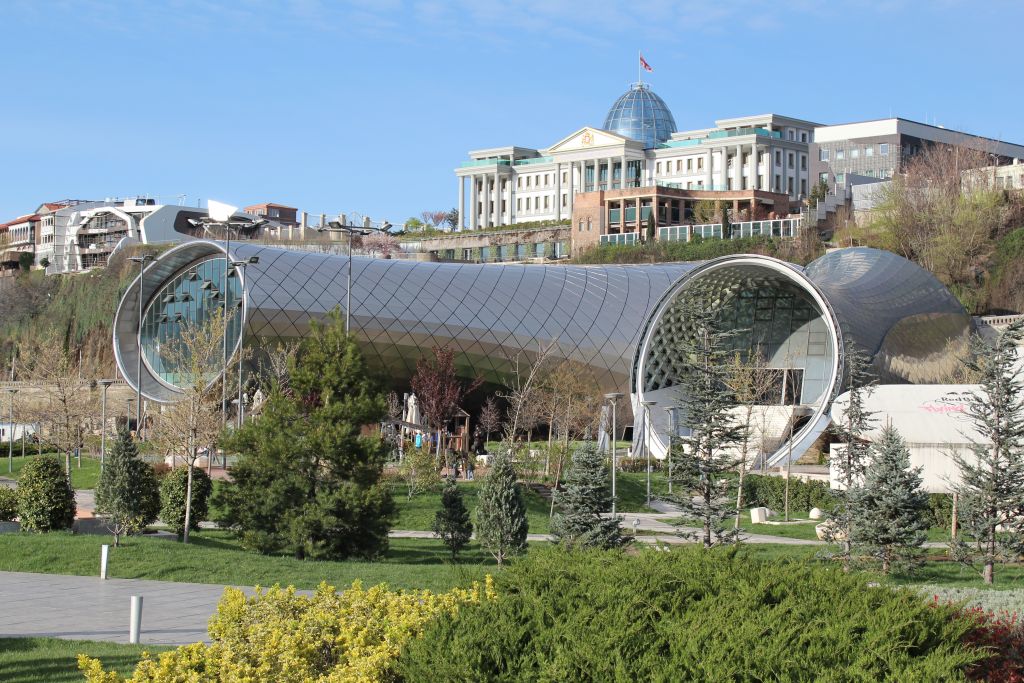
(721, 134)
(784, 227)
(620, 238)
(535, 160)
(484, 162)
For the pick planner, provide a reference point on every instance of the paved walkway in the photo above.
(84, 607)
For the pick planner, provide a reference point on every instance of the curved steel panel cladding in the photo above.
(489, 314)
(910, 324)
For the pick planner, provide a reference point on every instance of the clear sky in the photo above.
(368, 106)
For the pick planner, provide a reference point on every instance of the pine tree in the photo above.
(850, 462)
(991, 486)
(127, 494)
(578, 522)
(501, 513)
(890, 509)
(307, 480)
(451, 522)
(710, 429)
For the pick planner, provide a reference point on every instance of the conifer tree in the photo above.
(127, 494)
(307, 480)
(578, 522)
(890, 509)
(501, 523)
(710, 430)
(850, 462)
(451, 523)
(991, 486)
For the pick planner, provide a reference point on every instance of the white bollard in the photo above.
(136, 620)
(104, 553)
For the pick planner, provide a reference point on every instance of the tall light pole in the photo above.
(105, 383)
(141, 260)
(338, 226)
(10, 435)
(614, 399)
(240, 266)
(647, 443)
(671, 410)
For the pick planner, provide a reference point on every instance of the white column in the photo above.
(622, 177)
(462, 204)
(707, 171)
(474, 199)
(723, 157)
(558, 192)
(511, 198)
(485, 209)
(497, 198)
(572, 186)
(737, 176)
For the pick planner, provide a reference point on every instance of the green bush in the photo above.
(45, 499)
(941, 506)
(173, 490)
(658, 252)
(770, 492)
(8, 504)
(688, 615)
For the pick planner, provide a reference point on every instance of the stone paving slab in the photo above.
(87, 608)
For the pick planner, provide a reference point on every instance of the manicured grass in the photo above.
(417, 513)
(51, 660)
(217, 557)
(631, 490)
(84, 477)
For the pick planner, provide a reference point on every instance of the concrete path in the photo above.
(84, 607)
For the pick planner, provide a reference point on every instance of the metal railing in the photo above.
(783, 227)
(621, 238)
(485, 162)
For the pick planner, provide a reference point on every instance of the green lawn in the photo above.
(84, 477)
(417, 513)
(51, 660)
(216, 557)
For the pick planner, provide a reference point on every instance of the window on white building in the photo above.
(564, 199)
(791, 136)
(840, 155)
(545, 201)
(789, 159)
(778, 158)
(822, 154)
(700, 163)
(657, 168)
(689, 164)
(803, 162)
(803, 136)
(803, 186)
(565, 177)
(527, 203)
(854, 153)
(883, 149)
(679, 165)
(519, 204)
(789, 185)
(869, 151)
(528, 178)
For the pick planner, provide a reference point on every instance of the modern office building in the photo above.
(636, 147)
(621, 322)
(878, 149)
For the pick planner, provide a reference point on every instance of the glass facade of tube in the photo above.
(189, 299)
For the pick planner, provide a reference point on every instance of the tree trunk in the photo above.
(739, 487)
(188, 498)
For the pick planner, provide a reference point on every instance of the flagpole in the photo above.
(639, 72)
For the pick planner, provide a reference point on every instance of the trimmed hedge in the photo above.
(689, 615)
(45, 499)
(770, 492)
(8, 504)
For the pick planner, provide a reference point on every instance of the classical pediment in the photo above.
(588, 138)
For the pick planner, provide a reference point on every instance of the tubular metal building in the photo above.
(623, 322)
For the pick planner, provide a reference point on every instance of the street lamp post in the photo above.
(10, 435)
(105, 383)
(338, 226)
(671, 410)
(614, 399)
(141, 260)
(647, 443)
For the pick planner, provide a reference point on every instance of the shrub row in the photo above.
(770, 492)
(688, 615)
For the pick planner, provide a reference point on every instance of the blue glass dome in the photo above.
(641, 115)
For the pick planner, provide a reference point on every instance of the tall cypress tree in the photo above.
(451, 523)
(501, 523)
(578, 522)
(127, 493)
(850, 462)
(711, 432)
(991, 486)
(890, 509)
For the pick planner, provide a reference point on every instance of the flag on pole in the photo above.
(644, 64)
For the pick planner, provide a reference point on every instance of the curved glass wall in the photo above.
(190, 298)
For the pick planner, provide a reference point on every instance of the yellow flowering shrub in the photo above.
(353, 636)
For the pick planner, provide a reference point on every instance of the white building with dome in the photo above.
(637, 146)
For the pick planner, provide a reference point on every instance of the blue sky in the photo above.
(368, 106)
